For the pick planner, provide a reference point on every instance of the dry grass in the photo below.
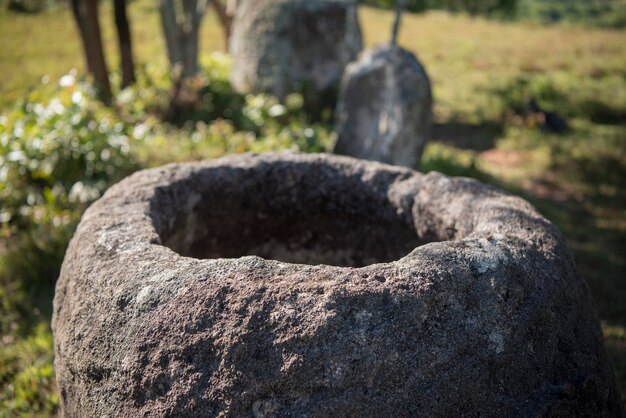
(33, 46)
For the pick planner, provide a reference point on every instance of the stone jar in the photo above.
(384, 112)
(286, 46)
(286, 285)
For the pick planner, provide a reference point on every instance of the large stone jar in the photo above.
(286, 46)
(312, 285)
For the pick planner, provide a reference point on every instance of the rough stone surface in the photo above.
(384, 108)
(475, 307)
(284, 46)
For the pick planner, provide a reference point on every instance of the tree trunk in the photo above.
(225, 15)
(181, 34)
(100, 71)
(169, 25)
(89, 26)
(125, 44)
(80, 18)
(189, 35)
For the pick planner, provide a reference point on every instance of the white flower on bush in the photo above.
(276, 110)
(16, 155)
(67, 80)
(83, 193)
(126, 96)
(5, 216)
(18, 130)
(56, 106)
(120, 142)
(77, 98)
(140, 130)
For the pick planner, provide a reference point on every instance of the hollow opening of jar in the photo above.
(315, 215)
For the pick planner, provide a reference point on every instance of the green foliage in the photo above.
(474, 7)
(601, 13)
(27, 375)
(451, 161)
(216, 121)
(30, 6)
(58, 155)
(599, 100)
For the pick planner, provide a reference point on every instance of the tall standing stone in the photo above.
(284, 46)
(384, 109)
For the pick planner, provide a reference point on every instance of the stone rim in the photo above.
(141, 235)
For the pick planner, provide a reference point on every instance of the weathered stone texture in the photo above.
(286, 46)
(384, 108)
(487, 317)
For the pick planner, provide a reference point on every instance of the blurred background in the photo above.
(529, 95)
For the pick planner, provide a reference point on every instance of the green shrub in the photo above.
(59, 155)
(27, 385)
(601, 13)
(600, 100)
(218, 121)
(474, 7)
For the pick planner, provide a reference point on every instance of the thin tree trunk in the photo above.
(125, 44)
(100, 71)
(194, 12)
(181, 34)
(225, 15)
(170, 31)
(190, 65)
(80, 18)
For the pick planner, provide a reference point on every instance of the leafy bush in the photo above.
(31, 6)
(474, 7)
(59, 155)
(601, 13)
(600, 100)
(27, 375)
(216, 121)
(60, 151)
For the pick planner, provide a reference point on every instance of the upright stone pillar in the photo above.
(384, 108)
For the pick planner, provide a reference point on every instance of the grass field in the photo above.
(481, 70)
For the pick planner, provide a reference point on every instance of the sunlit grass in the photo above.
(33, 46)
